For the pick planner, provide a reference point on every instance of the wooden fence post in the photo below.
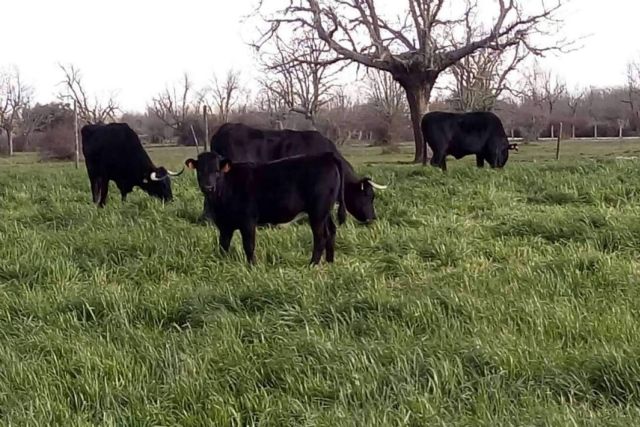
(195, 139)
(75, 133)
(206, 128)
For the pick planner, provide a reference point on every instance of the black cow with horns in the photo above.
(462, 134)
(242, 196)
(114, 152)
(241, 143)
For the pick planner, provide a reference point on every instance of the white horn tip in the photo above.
(378, 186)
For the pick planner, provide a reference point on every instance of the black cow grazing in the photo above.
(241, 143)
(114, 152)
(244, 195)
(462, 134)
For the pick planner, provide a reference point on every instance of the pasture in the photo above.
(479, 297)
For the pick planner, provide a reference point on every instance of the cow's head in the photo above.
(502, 154)
(359, 198)
(158, 183)
(209, 168)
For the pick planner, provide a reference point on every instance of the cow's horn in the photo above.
(378, 186)
(154, 177)
(175, 173)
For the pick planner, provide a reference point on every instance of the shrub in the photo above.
(57, 143)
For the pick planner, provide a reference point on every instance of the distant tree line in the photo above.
(536, 106)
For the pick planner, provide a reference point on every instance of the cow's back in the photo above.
(241, 143)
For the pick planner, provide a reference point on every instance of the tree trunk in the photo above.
(10, 140)
(573, 131)
(418, 98)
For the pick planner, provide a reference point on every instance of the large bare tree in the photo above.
(15, 97)
(300, 74)
(89, 110)
(417, 46)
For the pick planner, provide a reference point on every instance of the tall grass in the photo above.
(478, 298)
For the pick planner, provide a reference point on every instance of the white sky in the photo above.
(135, 47)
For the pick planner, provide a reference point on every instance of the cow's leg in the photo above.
(225, 239)
(331, 239)
(207, 215)
(438, 160)
(493, 161)
(103, 191)
(479, 160)
(124, 191)
(95, 189)
(318, 228)
(249, 242)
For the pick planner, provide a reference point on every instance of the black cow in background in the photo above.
(245, 195)
(241, 143)
(114, 152)
(462, 134)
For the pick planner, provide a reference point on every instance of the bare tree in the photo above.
(34, 119)
(418, 46)
(532, 102)
(540, 91)
(173, 105)
(480, 79)
(632, 95)
(223, 95)
(389, 100)
(338, 116)
(575, 99)
(15, 97)
(552, 90)
(89, 110)
(299, 74)
(591, 99)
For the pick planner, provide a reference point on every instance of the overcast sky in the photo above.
(135, 47)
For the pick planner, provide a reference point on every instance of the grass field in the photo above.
(479, 297)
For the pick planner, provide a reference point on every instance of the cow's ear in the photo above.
(191, 164)
(225, 165)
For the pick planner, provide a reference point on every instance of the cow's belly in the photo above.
(278, 214)
(458, 150)
(280, 210)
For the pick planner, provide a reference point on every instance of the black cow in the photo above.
(244, 195)
(462, 134)
(114, 152)
(241, 143)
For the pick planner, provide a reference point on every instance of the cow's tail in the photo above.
(342, 207)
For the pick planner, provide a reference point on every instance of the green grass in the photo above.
(480, 297)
